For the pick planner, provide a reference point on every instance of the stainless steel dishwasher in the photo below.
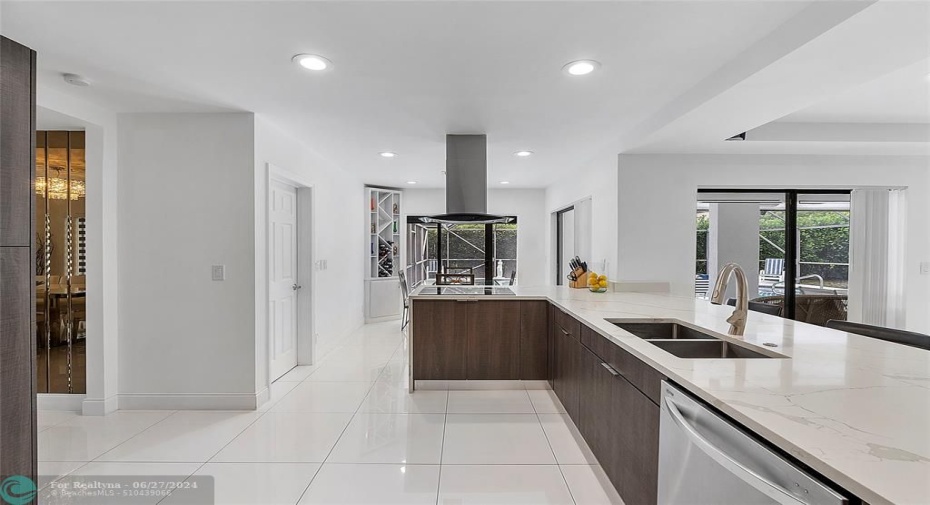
(706, 459)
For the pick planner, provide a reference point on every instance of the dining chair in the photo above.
(405, 316)
(909, 338)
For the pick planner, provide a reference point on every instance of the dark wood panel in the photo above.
(553, 341)
(534, 341)
(17, 363)
(17, 142)
(635, 472)
(438, 332)
(18, 453)
(569, 323)
(640, 374)
(493, 337)
(570, 373)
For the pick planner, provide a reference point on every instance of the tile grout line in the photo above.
(261, 415)
(442, 447)
(556, 458)
(147, 428)
(346, 427)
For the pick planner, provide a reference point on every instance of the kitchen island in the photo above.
(854, 409)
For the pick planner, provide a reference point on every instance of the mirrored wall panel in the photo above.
(60, 262)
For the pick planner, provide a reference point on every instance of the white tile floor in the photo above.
(345, 431)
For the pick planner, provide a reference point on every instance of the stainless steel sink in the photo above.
(661, 330)
(696, 349)
(687, 342)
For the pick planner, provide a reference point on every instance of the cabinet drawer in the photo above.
(568, 323)
(641, 375)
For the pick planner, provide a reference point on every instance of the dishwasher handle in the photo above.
(745, 474)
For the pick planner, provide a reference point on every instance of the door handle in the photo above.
(613, 371)
(747, 475)
(295, 287)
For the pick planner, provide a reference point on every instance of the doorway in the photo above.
(565, 243)
(289, 247)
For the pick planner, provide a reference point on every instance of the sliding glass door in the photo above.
(798, 240)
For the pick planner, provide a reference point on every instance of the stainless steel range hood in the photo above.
(466, 182)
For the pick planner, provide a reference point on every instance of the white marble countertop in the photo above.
(853, 408)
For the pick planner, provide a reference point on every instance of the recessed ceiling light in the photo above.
(75, 80)
(523, 154)
(581, 67)
(388, 154)
(312, 62)
(505, 182)
(411, 182)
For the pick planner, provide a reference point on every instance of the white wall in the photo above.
(339, 240)
(527, 204)
(598, 181)
(186, 190)
(657, 194)
(100, 125)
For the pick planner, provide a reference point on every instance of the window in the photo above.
(487, 251)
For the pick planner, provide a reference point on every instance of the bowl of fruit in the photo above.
(597, 283)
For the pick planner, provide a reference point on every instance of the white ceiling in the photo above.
(902, 96)
(407, 73)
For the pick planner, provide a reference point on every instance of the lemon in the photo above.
(602, 283)
(601, 278)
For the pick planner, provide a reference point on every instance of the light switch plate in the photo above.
(219, 272)
(925, 268)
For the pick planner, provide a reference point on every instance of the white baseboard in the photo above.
(262, 397)
(56, 401)
(100, 407)
(188, 401)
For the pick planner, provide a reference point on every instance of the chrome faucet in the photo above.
(737, 320)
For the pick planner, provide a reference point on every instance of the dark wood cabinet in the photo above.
(635, 470)
(534, 342)
(641, 375)
(619, 422)
(473, 339)
(567, 378)
(439, 336)
(493, 335)
(553, 334)
(18, 432)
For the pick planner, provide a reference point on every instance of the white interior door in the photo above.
(283, 286)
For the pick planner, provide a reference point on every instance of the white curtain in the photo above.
(876, 257)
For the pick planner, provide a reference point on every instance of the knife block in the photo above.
(582, 282)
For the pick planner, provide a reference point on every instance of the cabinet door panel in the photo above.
(534, 342)
(641, 375)
(493, 349)
(635, 473)
(439, 339)
(570, 372)
(17, 144)
(553, 346)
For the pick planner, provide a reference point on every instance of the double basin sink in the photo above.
(686, 342)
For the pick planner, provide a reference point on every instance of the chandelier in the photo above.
(57, 188)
